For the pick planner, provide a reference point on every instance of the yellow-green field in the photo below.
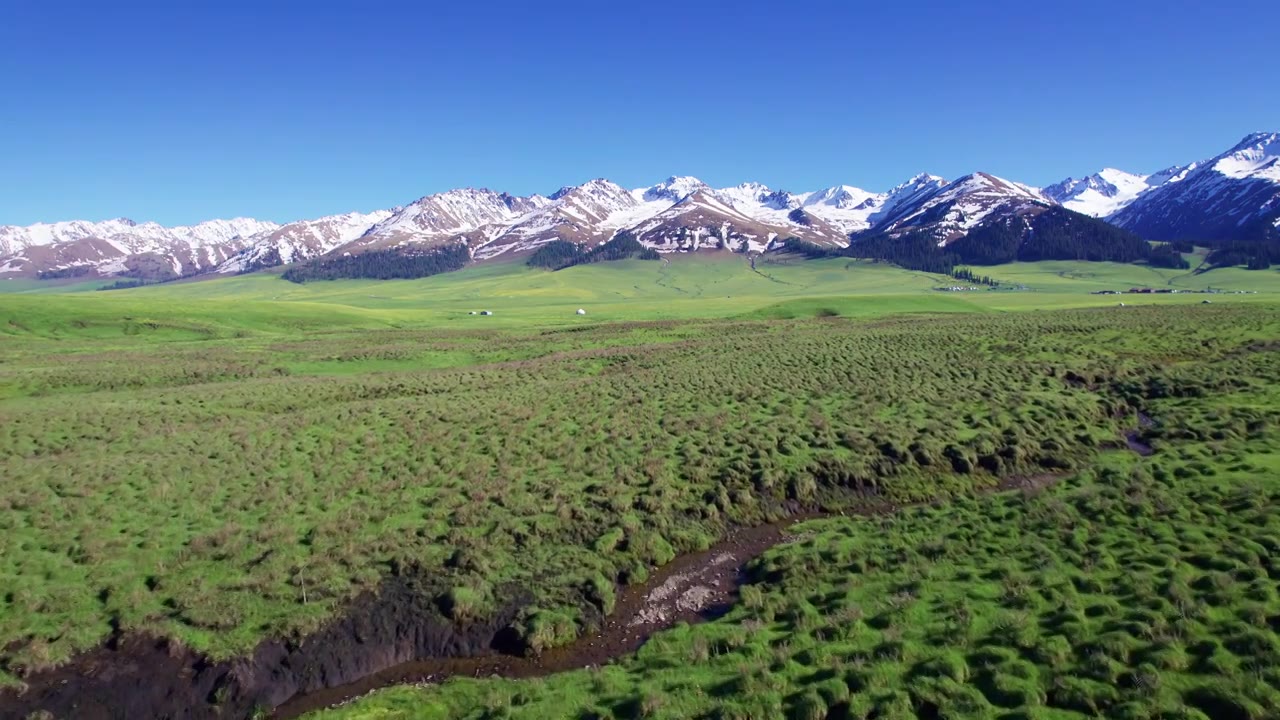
(682, 287)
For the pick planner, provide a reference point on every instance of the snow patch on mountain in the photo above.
(1257, 156)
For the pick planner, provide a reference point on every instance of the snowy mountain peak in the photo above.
(986, 182)
(921, 179)
(1257, 156)
(674, 189)
(840, 196)
(758, 189)
(596, 198)
(750, 195)
(1255, 140)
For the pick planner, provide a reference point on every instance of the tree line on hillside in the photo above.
(1255, 255)
(395, 264)
(560, 254)
(968, 275)
(73, 271)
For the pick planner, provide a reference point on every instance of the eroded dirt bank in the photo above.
(133, 676)
(691, 588)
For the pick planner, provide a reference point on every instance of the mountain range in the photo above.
(1232, 196)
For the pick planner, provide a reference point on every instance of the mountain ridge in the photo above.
(1223, 198)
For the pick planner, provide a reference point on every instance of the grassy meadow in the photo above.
(717, 286)
(227, 461)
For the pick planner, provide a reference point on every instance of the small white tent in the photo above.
(581, 311)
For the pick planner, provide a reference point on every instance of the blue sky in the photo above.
(183, 111)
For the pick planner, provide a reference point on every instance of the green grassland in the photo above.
(679, 288)
(1136, 589)
(227, 461)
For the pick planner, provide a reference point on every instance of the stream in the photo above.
(692, 588)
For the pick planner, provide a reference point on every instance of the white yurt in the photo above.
(581, 311)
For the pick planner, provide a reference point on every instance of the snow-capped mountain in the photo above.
(948, 212)
(121, 245)
(447, 216)
(672, 190)
(590, 212)
(679, 213)
(132, 236)
(1235, 195)
(1109, 190)
(301, 240)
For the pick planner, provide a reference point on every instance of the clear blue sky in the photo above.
(179, 111)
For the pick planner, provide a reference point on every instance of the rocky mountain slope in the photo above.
(949, 212)
(301, 240)
(1234, 196)
(1227, 197)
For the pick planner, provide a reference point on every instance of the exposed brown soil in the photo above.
(134, 676)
